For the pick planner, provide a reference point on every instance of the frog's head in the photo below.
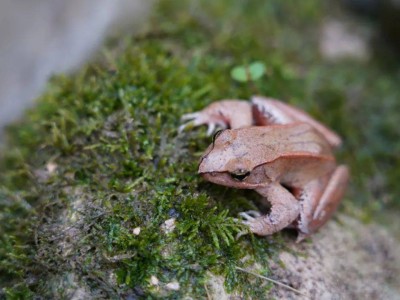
(229, 161)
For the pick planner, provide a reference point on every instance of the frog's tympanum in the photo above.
(279, 151)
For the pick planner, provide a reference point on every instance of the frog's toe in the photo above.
(197, 122)
(246, 216)
(197, 119)
(190, 116)
(250, 215)
(193, 120)
(211, 128)
(184, 126)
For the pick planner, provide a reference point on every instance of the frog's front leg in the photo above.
(285, 208)
(222, 114)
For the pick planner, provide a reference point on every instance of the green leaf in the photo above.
(239, 74)
(256, 70)
(251, 72)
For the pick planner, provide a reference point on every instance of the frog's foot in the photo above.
(255, 221)
(222, 114)
(257, 225)
(248, 216)
(202, 118)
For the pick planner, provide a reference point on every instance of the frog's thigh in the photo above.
(284, 210)
(319, 200)
(268, 112)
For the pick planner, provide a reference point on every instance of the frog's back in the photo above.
(260, 145)
(269, 143)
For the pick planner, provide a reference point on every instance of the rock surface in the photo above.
(345, 260)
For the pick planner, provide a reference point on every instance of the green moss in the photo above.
(111, 132)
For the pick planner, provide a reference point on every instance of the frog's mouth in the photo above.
(222, 178)
(229, 179)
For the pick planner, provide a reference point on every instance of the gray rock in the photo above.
(43, 37)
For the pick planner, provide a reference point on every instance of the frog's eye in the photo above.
(216, 135)
(240, 175)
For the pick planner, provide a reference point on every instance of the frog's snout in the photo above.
(208, 176)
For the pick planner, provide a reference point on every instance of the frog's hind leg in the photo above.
(268, 111)
(319, 200)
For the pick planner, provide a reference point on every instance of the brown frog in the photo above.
(279, 151)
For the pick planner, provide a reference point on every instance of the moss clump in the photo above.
(100, 157)
(114, 162)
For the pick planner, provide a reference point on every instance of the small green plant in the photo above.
(251, 72)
